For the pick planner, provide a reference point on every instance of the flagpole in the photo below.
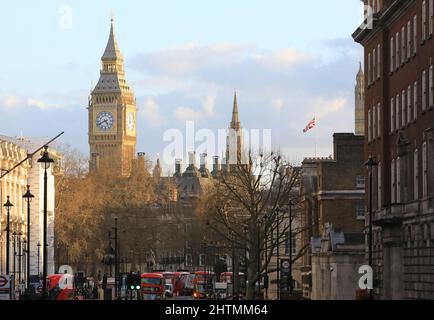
(316, 141)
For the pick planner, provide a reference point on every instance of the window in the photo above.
(424, 171)
(415, 35)
(416, 175)
(424, 24)
(426, 234)
(291, 246)
(409, 38)
(379, 186)
(392, 54)
(397, 56)
(369, 125)
(378, 120)
(378, 62)
(409, 101)
(374, 65)
(188, 228)
(398, 111)
(415, 106)
(398, 180)
(188, 260)
(202, 260)
(431, 92)
(369, 69)
(360, 181)
(403, 109)
(403, 46)
(392, 115)
(360, 210)
(424, 90)
(431, 16)
(374, 122)
(392, 175)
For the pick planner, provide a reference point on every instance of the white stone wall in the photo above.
(335, 276)
(36, 180)
(14, 184)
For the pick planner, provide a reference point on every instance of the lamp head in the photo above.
(8, 203)
(45, 159)
(28, 195)
(370, 163)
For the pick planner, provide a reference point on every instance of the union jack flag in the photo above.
(310, 125)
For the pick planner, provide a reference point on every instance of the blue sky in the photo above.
(183, 59)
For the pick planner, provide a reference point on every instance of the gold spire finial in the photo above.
(112, 16)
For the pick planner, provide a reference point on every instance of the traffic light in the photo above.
(129, 281)
(104, 281)
(136, 281)
(133, 281)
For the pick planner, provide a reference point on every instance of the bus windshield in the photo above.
(152, 281)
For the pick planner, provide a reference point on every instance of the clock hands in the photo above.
(100, 123)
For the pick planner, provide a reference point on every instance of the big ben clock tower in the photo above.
(112, 114)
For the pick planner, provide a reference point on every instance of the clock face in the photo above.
(105, 120)
(131, 121)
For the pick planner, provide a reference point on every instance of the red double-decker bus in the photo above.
(228, 278)
(61, 287)
(152, 286)
(203, 284)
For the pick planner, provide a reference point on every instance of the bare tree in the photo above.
(246, 209)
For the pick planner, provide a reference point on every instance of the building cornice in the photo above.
(382, 21)
(340, 194)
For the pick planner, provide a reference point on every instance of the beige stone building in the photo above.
(14, 184)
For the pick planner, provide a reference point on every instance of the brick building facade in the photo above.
(332, 195)
(399, 113)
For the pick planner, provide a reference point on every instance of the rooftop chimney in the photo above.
(178, 165)
(203, 157)
(216, 165)
(192, 159)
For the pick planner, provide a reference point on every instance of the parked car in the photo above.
(168, 290)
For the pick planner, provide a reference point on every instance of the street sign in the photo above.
(5, 287)
(4, 282)
(284, 266)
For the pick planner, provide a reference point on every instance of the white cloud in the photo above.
(282, 59)
(325, 107)
(277, 105)
(12, 101)
(22, 101)
(194, 59)
(208, 105)
(151, 112)
(187, 114)
(37, 103)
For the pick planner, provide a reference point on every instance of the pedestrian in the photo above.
(95, 292)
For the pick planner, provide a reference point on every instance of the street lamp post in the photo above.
(116, 258)
(28, 196)
(370, 164)
(233, 264)
(8, 205)
(278, 253)
(14, 235)
(45, 162)
(258, 222)
(290, 204)
(39, 254)
(19, 256)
